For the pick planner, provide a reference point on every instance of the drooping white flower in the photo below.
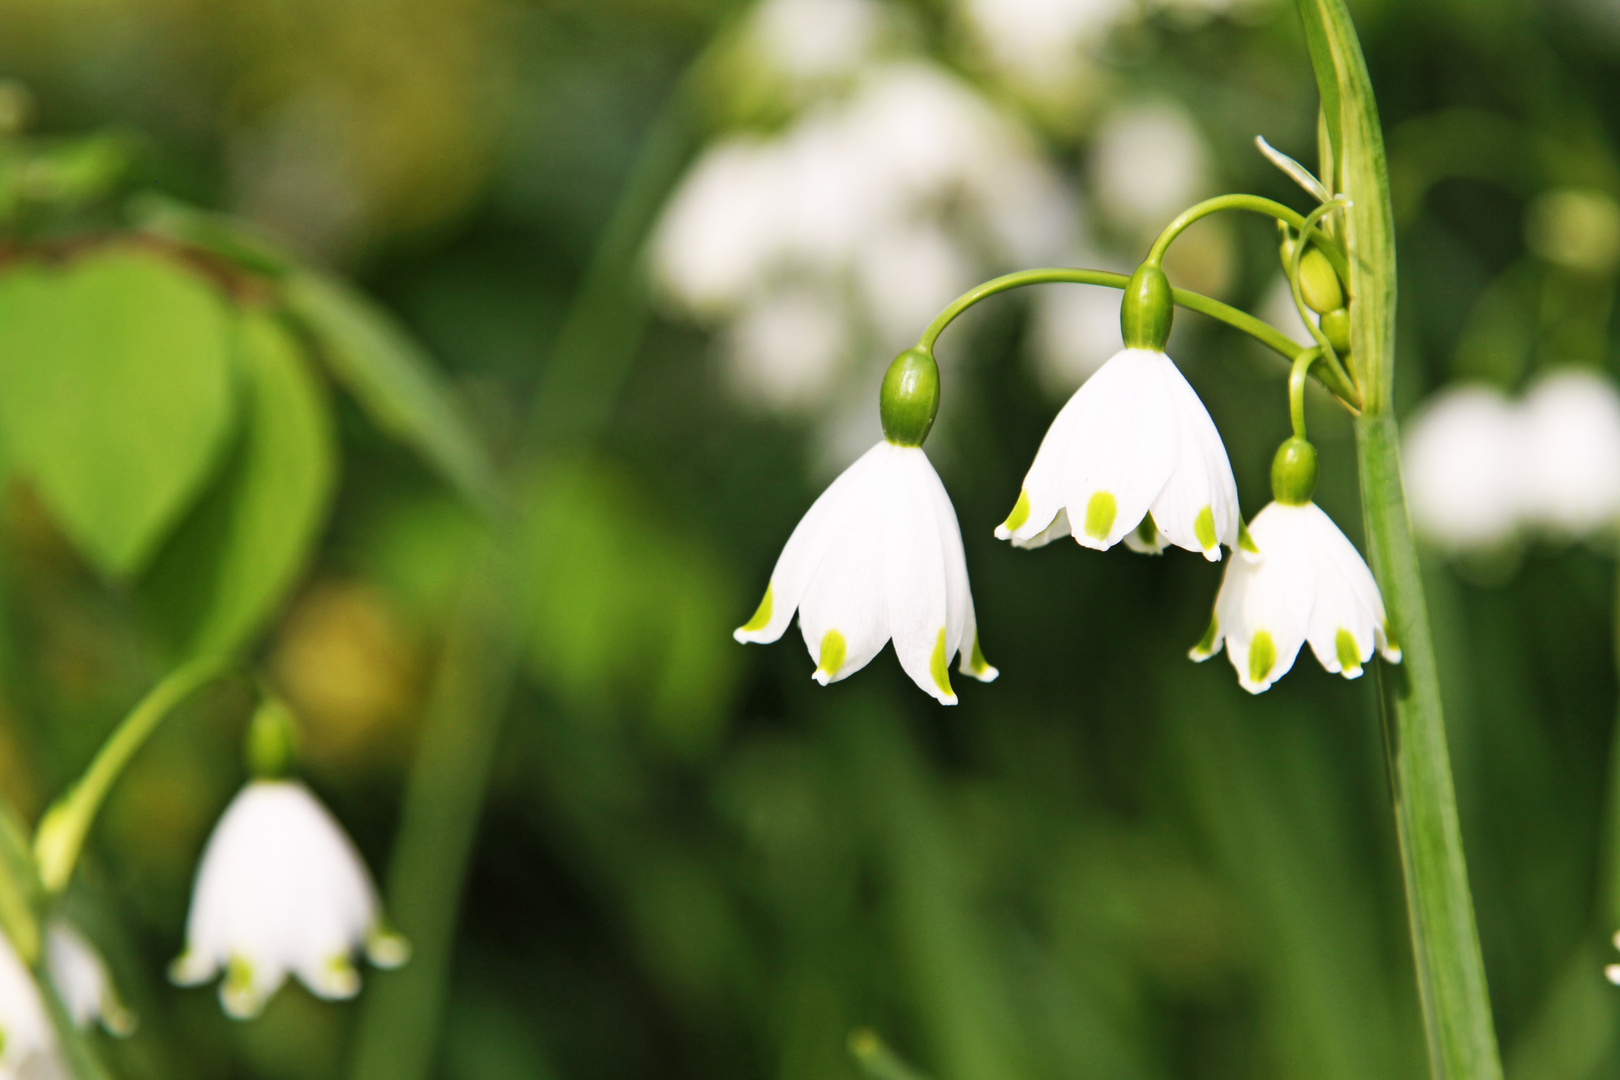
(281, 889)
(81, 977)
(1461, 459)
(27, 1041)
(878, 556)
(1571, 454)
(1133, 440)
(1307, 583)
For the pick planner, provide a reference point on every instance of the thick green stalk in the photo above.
(1445, 941)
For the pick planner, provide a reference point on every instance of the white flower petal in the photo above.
(1263, 608)
(963, 638)
(1339, 558)
(1461, 459)
(81, 979)
(914, 574)
(1571, 478)
(1198, 508)
(803, 554)
(24, 1025)
(844, 613)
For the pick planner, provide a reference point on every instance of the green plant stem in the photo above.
(1296, 389)
(1445, 942)
(1329, 356)
(63, 829)
(1261, 331)
(1255, 204)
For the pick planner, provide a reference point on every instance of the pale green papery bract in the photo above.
(878, 556)
(281, 890)
(1133, 439)
(1307, 583)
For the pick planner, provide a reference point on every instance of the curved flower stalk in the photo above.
(1133, 455)
(879, 557)
(281, 889)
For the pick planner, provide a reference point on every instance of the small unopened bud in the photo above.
(910, 397)
(1319, 283)
(1147, 309)
(1336, 328)
(1293, 472)
(272, 739)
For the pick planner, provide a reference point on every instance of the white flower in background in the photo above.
(27, 1041)
(786, 351)
(878, 556)
(1148, 163)
(281, 889)
(1133, 440)
(888, 200)
(816, 40)
(1043, 45)
(1461, 458)
(81, 977)
(1571, 453)
(1073, 331)
(1308, 583)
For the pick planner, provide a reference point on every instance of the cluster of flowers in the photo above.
(1132, 456)
(280, 890)
(1482, 470)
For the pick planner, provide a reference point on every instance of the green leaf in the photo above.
(231, 562)
(393, 378)
(115, 394)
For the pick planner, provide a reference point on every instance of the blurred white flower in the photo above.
(81, 977)
(786, 351)
(1073, 331)
(1571, 453)
(1133, 441)
(281, 890)
(1043, 45)
(27, 1042)
(1148, 163)
(1461, 460)
(878, 556)
(1307, 583)
(889, 200)
(815, 40)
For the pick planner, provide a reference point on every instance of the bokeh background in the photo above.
(660, 251)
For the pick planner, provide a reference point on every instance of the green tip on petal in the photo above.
(1262, 655)
(1206, 644)
(832, 655)
(762, 615)
(1020, 513)
(1204, 528)
(1245, 541)
(1147, 533)
(237, 993)
(338, 977)
(1100, 513)
(1344, 644)
(939, 666)
(977, 665)
(387, 948)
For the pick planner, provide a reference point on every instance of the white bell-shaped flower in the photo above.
(81, 978)
(878, 556)
(1134, 440)
(1306, 583)
(281, 889)
(28, 1043)
(1571, 453)
(1461, 459)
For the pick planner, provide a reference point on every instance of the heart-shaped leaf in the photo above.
(116, 394)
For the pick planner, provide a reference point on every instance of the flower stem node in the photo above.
(1147, 309)
(272, 739)
(909, 399)
(1293, 472)
(1336, 328)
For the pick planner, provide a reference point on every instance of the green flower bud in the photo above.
(1285, 244)
(910, 397)
(1146, 311)
(1319, 283)
(1293, 472)
(1336, 328)
(272, 738)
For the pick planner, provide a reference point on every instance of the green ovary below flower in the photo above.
(1308, 583)
(1132, 456)
(878, 557)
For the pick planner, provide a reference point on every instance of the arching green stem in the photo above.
(1255, 204)
(1261, 331)
(62, 831)
(1296, 389)
(1322, 343)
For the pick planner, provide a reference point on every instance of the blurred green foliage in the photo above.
(683, 858)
